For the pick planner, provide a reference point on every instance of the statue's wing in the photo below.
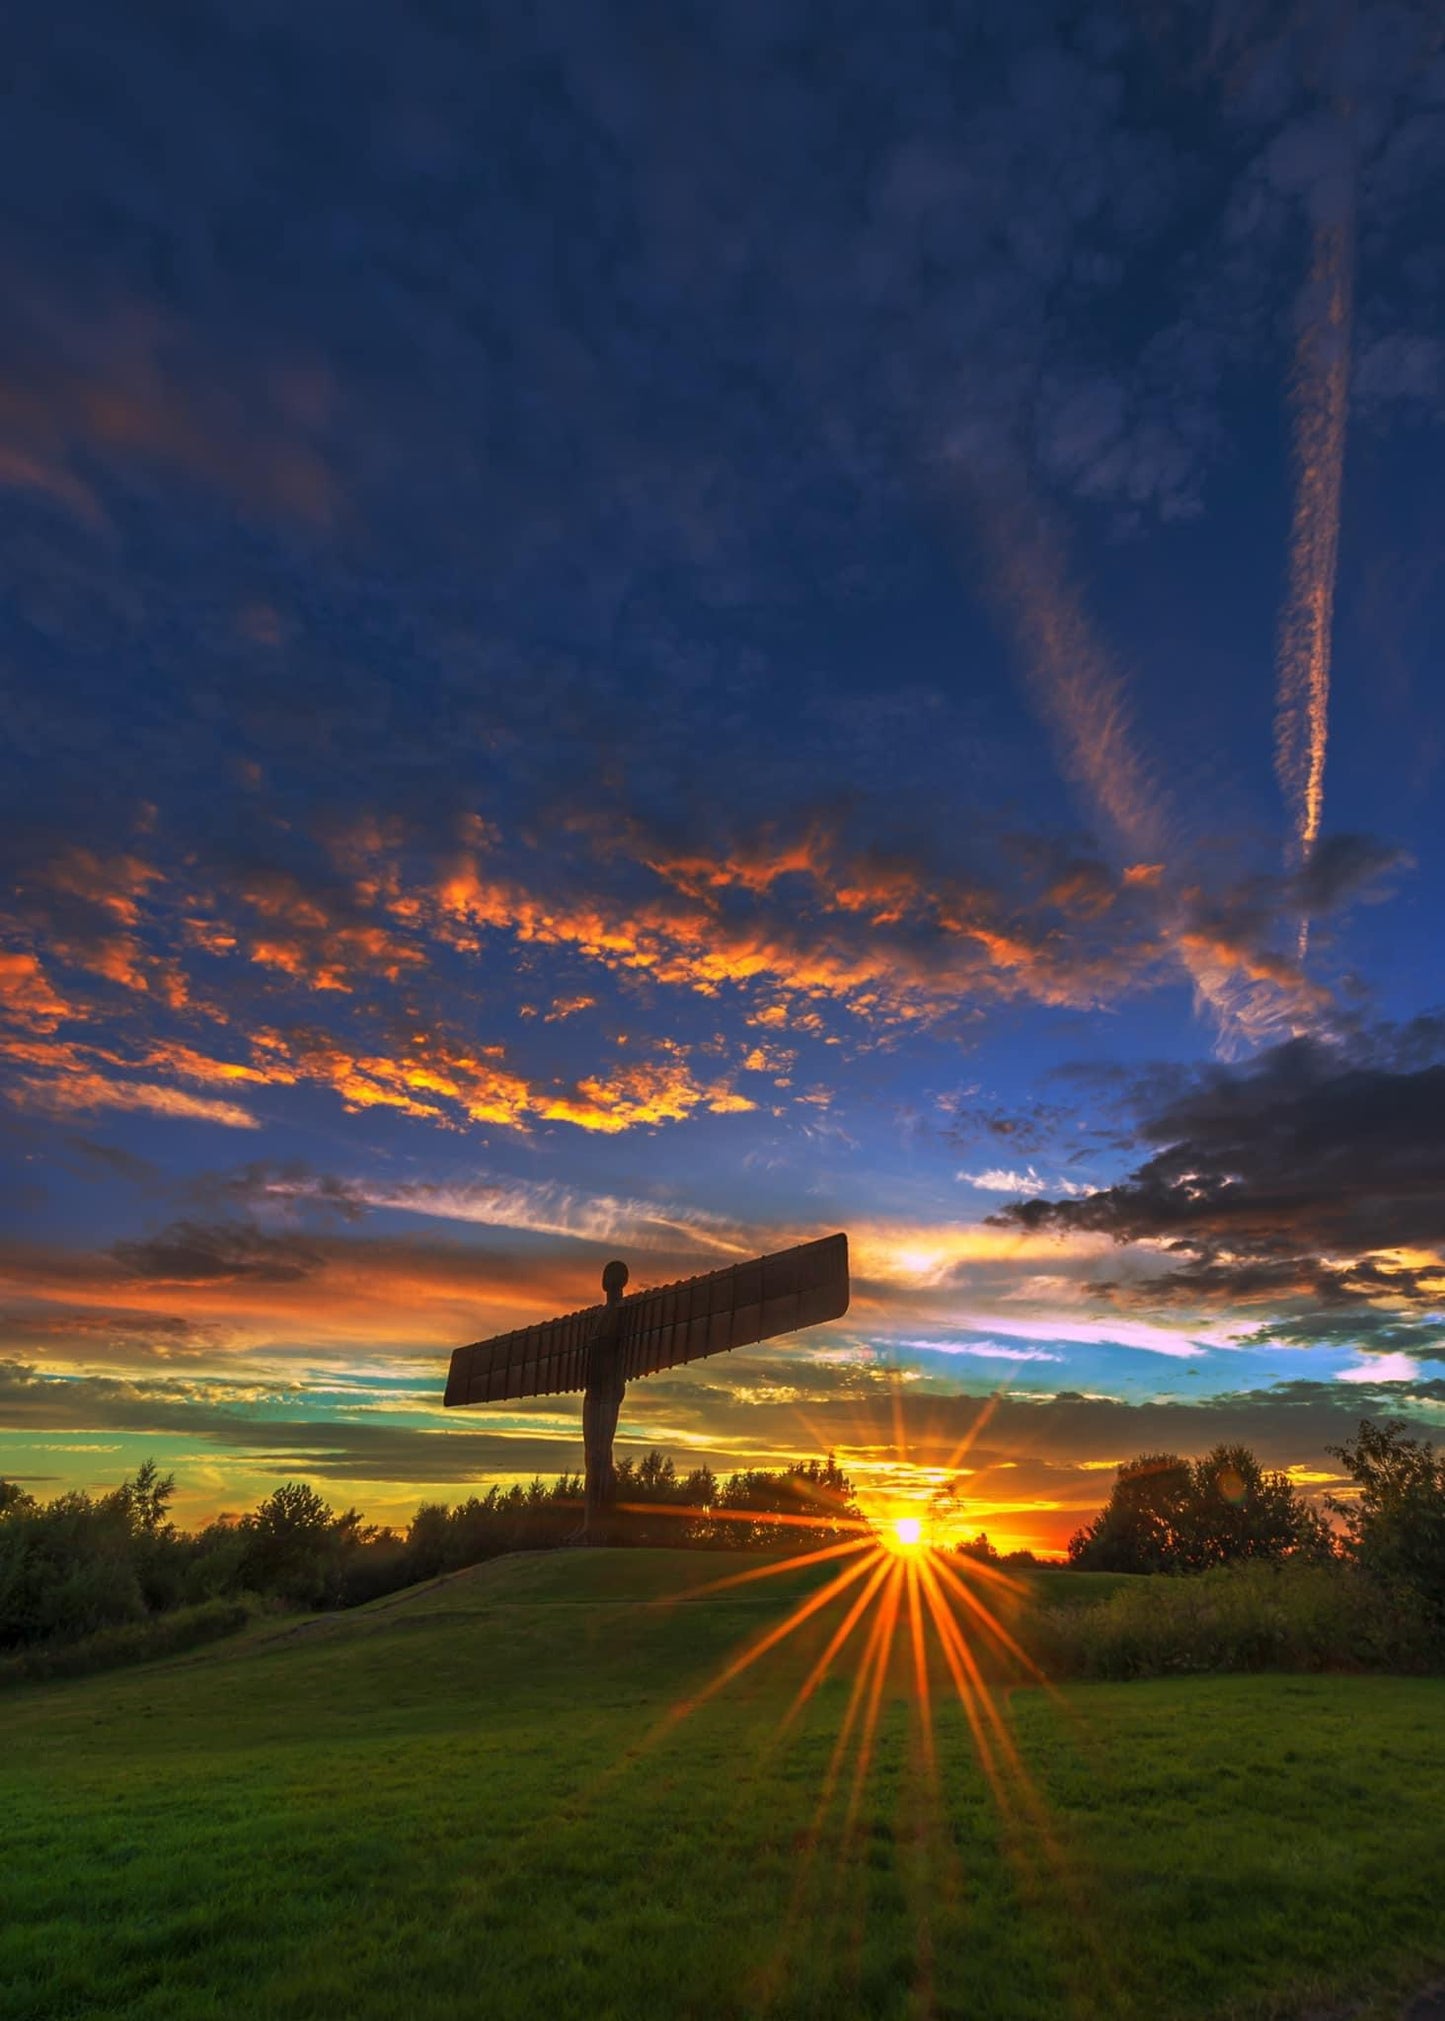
(534, 1361)
(734, 1307)
(662, 1328)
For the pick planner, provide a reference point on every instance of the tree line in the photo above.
(84, 1564)
(1168, 1514)
(81, 1565)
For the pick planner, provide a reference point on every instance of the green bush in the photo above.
(67, 1570)
(1252, 1616)
(141, 1641)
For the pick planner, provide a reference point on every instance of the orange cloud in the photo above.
(116, 884)
(662, 1092)
(756, 870)
(304, 939)
(876, 941)
(955, 947)
(184, 1061)
(71, 1076)
(568, 1007)
(26, 996)
(209, 935)
(101, 908)
(434, 1078)
(428, 1076)
(70, 1080)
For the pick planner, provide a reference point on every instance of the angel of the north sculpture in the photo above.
(602, 1349)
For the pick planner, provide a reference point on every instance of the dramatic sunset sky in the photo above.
(660, 630)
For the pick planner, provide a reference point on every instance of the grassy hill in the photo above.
(485, 1798)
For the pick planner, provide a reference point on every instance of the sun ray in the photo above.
(768, 1640)
(774, 1569)
(971, 1436)
(895, 1397)
(839, 1637)
(881, 1653)
(992, 1624)
(820, 1518)
(923, 1701)
(962, 1683)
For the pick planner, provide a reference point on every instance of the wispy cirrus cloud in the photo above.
(542, 1207)
(1028, 1183)
(979, 1350)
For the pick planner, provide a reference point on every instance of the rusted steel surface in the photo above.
(662, 1328)
(730, 1308)
(540, 1360)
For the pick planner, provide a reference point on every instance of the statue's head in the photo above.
(614, 1280)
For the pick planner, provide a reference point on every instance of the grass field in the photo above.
(480, 1799)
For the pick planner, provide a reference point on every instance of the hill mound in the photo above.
(548, 1787)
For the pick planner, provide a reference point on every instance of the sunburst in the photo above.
(890, 1616)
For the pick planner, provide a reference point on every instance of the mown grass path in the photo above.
(480, 1801)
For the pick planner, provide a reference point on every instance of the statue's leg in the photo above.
(601, 1407)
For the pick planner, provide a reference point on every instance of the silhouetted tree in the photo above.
(699, 1488)
(426, 1540)
(159, 1560)
(1168, 1514)
(1143, 1525)
(66, 1569)
(289, 1545)
(1395, 1524)
(978, 1548)
(145, 1500)
(215, 1560)
(813, 1498)
(1239, 1509)
(14, 1501)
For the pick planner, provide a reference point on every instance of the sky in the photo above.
(657, 631)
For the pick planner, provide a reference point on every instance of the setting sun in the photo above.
(907, 1531)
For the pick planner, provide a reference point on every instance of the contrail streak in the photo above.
(1072, 679)
(1082, 696)
(1077, 687)
(1320, 397)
